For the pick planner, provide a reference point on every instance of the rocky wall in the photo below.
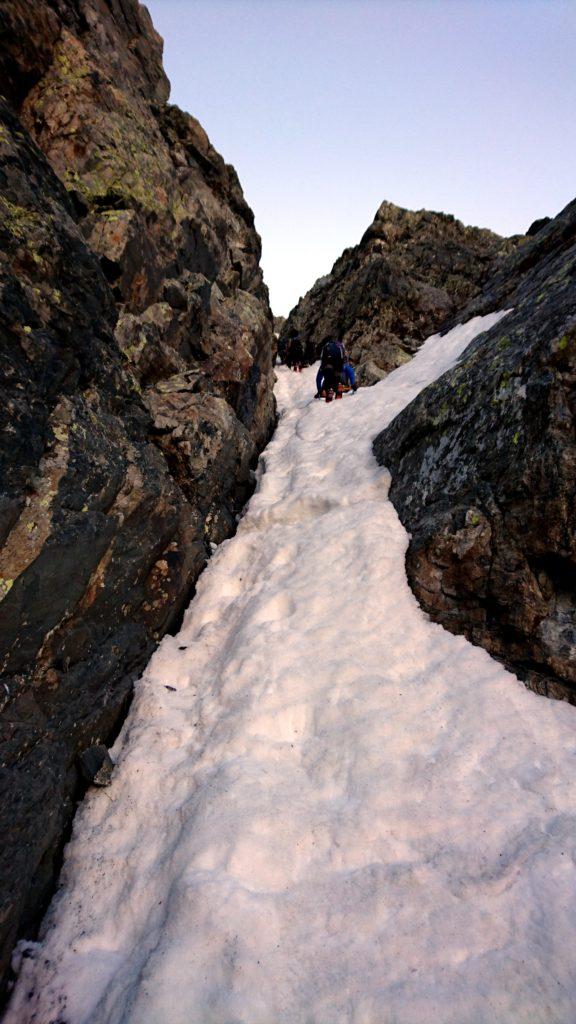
(483, 469)
(136, 393)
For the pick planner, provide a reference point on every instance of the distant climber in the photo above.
(294, 355)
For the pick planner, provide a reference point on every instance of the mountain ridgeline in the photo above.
(386, 295)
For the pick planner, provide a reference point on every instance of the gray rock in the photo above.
(368, 373)
(96, 765)
(483, 469)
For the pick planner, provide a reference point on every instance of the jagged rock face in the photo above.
(136, 342)
(156, 202)
(386, 295)
(483, 469)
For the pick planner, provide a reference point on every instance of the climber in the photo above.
(294, 352)
(335, 370)
(331, 366)
(349, 375)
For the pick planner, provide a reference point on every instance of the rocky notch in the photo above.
(383, 297)
(483, 469)
(136, 343)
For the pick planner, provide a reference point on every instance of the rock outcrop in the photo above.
(383, 297)
(136, 393)
(483, 469)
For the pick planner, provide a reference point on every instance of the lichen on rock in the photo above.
(136, 353)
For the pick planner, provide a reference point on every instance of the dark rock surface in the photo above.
(135, 395)
(96, 765)
(385, 296)
(483, 469)
(537, 225)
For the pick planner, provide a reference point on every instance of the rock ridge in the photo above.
(410, 272)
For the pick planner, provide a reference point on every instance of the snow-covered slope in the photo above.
(327, 810)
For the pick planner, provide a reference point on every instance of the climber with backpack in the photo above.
(335, 370)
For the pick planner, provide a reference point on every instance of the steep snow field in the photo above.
(326, 810)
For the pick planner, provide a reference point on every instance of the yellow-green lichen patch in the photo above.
(70, 61)
(112, 215)
(123, 166)
(19, 221)
(5, 587)
(60, 433)
(516, 438)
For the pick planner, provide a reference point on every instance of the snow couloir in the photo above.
(327, 809)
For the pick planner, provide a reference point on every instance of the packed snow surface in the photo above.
(327, 809)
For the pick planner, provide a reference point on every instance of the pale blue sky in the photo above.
(327, 107)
